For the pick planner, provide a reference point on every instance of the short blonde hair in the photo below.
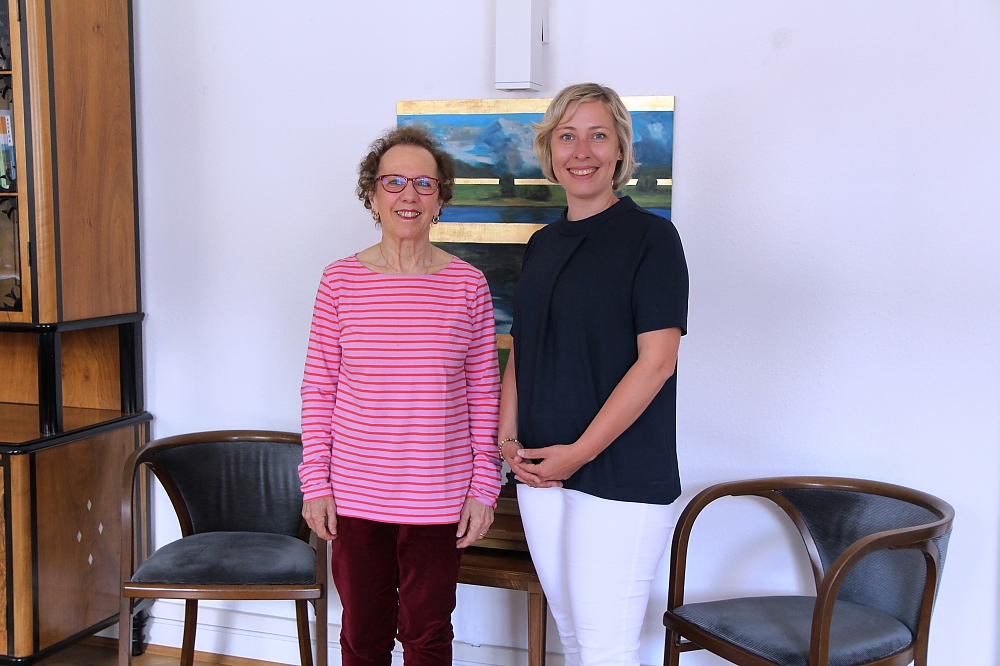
(571, 97)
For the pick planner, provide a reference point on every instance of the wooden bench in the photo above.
(501, 560)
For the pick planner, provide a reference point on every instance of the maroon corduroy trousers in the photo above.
(395, 581)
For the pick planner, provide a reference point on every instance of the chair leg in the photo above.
(125, 632)
(537, 615)
(322, 646)
(190, 627)
(302, 625)
(671, 655)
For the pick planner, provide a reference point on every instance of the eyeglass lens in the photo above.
(422, 184)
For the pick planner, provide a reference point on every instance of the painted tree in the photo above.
(507, 184)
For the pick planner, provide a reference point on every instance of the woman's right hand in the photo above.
(516, 462)
(321, 515)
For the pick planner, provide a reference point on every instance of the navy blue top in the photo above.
(587, 289)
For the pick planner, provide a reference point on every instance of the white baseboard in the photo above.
(250, 635)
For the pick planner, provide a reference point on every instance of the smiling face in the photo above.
(406, 214)
(584, 155)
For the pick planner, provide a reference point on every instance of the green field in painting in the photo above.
(660, 198)
(489, 195)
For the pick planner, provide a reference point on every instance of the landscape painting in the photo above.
(501, 197)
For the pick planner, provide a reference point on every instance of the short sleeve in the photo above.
(660, 286)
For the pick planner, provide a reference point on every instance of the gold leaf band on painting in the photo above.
(483, 232)
(496, 181)
(503, 106)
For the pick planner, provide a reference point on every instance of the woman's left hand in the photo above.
(476, 518)
(558, 462)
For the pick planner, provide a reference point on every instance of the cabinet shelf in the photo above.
(20, 432)
(68, 376)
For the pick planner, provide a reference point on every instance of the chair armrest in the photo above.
(127, 498)
(763, 487)
(682, 531)
(322, 548)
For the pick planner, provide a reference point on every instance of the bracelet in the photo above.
(504, 441)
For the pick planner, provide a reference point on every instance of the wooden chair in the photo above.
(877, 551)
(237, 497)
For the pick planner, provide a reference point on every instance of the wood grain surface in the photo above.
(19, 422)
(91, 368)
(92, 95)
(20, 533)
(19, 361)
(78, 526)
(3, 565)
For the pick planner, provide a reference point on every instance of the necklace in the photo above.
(386, 260)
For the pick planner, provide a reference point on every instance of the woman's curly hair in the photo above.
(409, 135)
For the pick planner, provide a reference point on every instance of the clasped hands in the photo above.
(554, 464)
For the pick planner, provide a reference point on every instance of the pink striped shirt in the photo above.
(400, 394)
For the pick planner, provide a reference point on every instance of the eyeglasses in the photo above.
(395, 183)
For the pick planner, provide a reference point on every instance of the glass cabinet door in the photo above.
(10, 256)
(13, 241)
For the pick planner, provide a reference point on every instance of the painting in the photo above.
(501, 197)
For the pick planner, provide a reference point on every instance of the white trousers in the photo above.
(595, 559)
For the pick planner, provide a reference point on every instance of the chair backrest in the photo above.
(234, 485)
(891, 581)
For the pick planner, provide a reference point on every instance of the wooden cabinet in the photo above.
(71, 397)
(71, 92)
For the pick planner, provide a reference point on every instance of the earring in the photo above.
(375, 216)
(435, 219)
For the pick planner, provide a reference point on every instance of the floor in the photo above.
(104, 652)
(83, 654)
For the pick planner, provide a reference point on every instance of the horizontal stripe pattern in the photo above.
(400, 394)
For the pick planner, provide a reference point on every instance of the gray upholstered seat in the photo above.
(779, 629)
(231, 558)
(877, 551)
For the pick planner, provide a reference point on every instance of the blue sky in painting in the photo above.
(653, 137)
(498, 142)
(492, 144)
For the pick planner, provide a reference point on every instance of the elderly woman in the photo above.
(399, 413)
(587, 416)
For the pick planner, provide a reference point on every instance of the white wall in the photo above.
(835, 188)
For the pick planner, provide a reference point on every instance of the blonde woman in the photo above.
(587, 413)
